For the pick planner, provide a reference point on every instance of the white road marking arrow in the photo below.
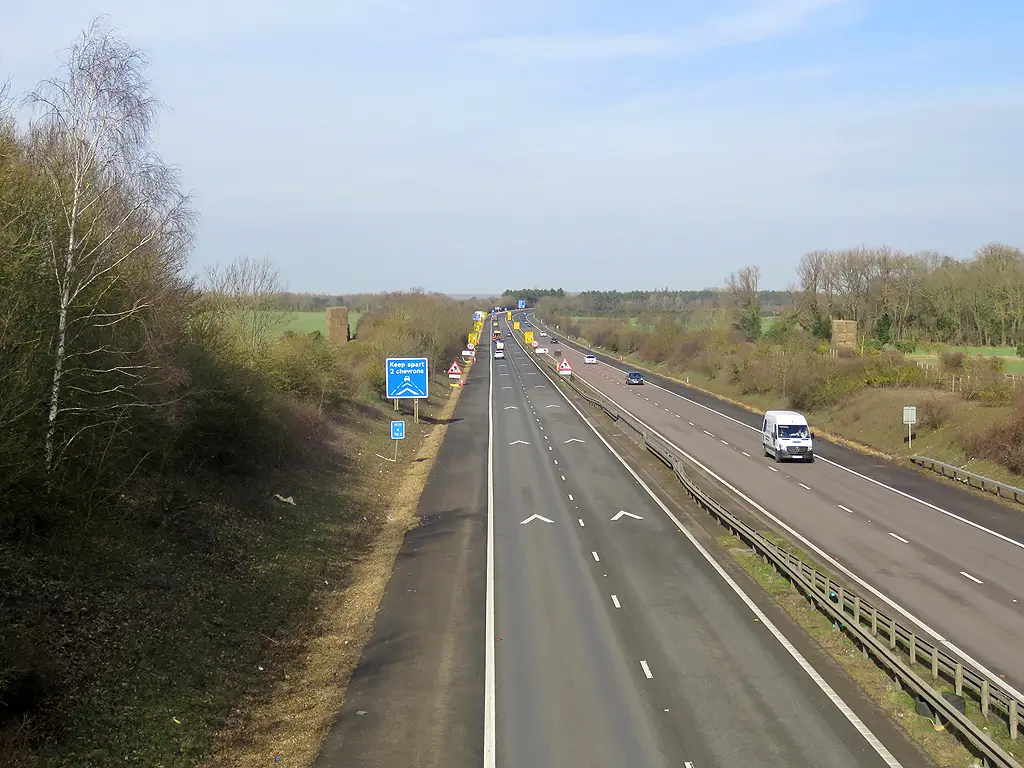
(519, 442)
(514, 407)
(628, 514)
(575, 440)
(536, 517)
(554, 405)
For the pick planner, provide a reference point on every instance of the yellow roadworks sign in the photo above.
(528, 337)
(474, 338)
(515, 326)
(508, 315)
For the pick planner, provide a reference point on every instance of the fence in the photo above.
(896, 647)
(969, 478)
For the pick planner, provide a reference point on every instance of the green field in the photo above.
(1011, 363)
(307, 322)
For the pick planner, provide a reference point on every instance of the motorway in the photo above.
(950, 561)
(613, 637)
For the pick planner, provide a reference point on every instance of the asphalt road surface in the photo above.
(616, 641)
(416, 698)
(950, 560)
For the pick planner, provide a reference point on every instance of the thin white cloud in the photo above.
(755, 22)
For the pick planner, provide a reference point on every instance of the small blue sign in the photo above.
(522, 303)
(398, 430)
(407, 378)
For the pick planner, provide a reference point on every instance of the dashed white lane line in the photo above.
(570, 497)
(707, 433)
(647, 670)
(615, 601)
(562, 476)
(805, 487)
(845, 509)
(898, 538)
(580, 521)
(773, 469)
(723, 442)
(691, 423)
(745, 454)
(975, 579)
(556, 462)
(596, 558)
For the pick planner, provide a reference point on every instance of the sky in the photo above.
(468, 146)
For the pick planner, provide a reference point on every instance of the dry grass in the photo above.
(291, 723)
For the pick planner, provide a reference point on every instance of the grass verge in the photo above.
(217, 609)
(289, 723)
(939, 744)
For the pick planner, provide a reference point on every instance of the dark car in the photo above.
(634, 378)
(554, 340)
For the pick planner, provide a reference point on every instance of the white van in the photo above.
(786, 435)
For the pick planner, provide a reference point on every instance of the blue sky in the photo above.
(472, 145)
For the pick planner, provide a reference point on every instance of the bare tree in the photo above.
(246, 292)
(117, 205)
(745, 293)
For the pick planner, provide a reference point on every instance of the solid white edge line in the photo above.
(845, 469)
(490, 748)
(833, 563)
(822, 684)
(853, 472)
(647, 670)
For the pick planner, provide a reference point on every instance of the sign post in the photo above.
(910, 419)
(407, 379)
(397, 433)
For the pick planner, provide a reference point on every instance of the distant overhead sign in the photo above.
(522, 303)
(406, 377)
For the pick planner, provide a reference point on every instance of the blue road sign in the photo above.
(406, 378)
(522, 303)
(398, 430)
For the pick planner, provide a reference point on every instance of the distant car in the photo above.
(633, 377)
(543, 333)
(590, 360)
(554, 340)
(499, 354)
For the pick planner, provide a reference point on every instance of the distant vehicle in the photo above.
(499, 345)
(590, 360)
(786, 435)
(499, 354)
(543, 333)
(634, 377)
(554, 340)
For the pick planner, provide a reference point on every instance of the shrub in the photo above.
(1003, 442)
(906, 346)
(952, 362)
(1020, 349)
(935, 410)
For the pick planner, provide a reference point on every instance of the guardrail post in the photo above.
(958, 679)
(935, 662)
(913, 649)
(892, 634)
(984, 698)
(856, 610)
(874, 621)
(1013, 719)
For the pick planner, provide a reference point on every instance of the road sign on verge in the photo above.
(515, 325)
(564, 369)
(454, 371)
(469, 353)
(406, 378)
(528, 337)
(398, 430)
(910, 414)
(522, 303)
